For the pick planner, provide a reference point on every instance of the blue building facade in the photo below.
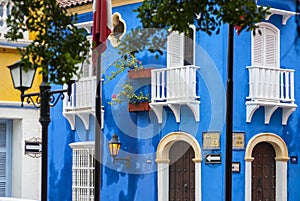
(176, 150)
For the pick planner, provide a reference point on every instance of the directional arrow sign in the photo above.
(213, 158)
(33, 147)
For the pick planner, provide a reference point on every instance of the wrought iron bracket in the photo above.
(52, 96)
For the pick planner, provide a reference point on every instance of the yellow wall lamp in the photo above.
(114, 147)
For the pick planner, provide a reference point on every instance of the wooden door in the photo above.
(263, 172)
(181, 172)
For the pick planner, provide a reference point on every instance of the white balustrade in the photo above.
(271, 84)
(5, 10)
(174, 84)
(83, 95)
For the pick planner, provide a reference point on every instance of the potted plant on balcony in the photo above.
(133, 65)
(136, 101)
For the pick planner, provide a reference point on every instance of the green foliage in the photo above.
(135, 41)
(127, 61)
(140, 39)
(207, 15)
(58, 44)
(128, 95)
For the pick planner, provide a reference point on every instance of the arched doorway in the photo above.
(275, 153)
(167, 156)
(263, 172)
(181, 172)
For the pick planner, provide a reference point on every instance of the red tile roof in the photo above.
(73, 3)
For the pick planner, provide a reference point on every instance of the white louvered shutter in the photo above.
(3, 159)
(257, 50)
(265, 48)
(175, 50)
(271, 50)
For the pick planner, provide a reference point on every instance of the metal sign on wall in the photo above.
(213, 158)
(33, 147)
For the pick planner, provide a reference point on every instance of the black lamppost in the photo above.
(22, 80)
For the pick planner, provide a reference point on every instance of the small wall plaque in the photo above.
(33, 147)
(236, 167)
(238, 140)
(211, 140)
(294, 159)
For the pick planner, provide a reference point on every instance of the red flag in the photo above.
(238, 28)
(102, 23)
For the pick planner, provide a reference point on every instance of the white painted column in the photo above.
(198, 187)
(281, 180)
(248, 179)
(163, 180)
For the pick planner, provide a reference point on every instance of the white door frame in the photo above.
(163, 160)
(281, 159)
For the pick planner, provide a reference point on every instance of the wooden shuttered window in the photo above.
(265, 47)
(5, 159)
(181, 49)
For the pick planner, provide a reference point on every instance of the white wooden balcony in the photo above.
(272, 88)
(174, 87)
(82, 103)
(5, 10)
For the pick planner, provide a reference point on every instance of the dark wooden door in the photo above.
(263, 172)
(181, 172)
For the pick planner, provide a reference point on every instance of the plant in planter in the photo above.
(136, 101)
(127, 61)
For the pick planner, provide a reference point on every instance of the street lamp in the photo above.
(114, 147)
(22, 80)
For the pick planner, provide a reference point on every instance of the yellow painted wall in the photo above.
(89, 7)
(7, 91)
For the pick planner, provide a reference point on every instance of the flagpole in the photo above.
(229, 116)
(98, 131)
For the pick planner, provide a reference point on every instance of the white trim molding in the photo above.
(281, 159)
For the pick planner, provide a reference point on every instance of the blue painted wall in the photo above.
(140, 133)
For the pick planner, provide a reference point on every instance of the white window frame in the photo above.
(175, 48)
(269, 37)
(83, 171)
(7, 149)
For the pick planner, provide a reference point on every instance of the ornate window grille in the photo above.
(83, 171)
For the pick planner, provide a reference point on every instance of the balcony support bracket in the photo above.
(269, 110)
(157, 109)
(176, 111)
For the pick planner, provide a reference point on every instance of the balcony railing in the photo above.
(271, 88)
(5, 10)
(83, 95)
(174, 87)
(271, 84)
(82, 103)
(174, 84)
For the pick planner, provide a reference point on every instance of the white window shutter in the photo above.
(3, 159)
(271, 51)
(175, 50)
(265, 47)
(257, 50)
